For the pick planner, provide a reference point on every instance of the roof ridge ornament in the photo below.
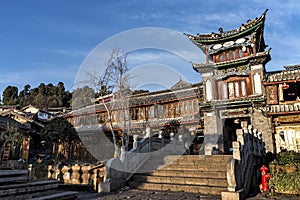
(223, 35)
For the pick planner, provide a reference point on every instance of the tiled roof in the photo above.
(228, 34)
(294, 107)
(284, 75)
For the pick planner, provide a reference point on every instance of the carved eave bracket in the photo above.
(260, 58)
(204, 67)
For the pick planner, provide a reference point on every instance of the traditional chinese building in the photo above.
(163, 112)
(283, 95)
(232, 83)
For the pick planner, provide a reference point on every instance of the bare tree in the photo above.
(115, 80)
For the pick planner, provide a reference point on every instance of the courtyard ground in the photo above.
(134, 194)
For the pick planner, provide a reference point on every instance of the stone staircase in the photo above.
(14, 185)
(188, 173)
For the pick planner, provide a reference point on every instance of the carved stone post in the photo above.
(244, 124)
(240, 136)
(172, 136)
(161, 136)
(150, 139)
(236, 150)
(135, 141)
(172, 139)
(180, 138)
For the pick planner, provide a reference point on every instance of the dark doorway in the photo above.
(230, 126)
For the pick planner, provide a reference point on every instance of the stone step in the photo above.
(27, 190)
(4, 173)
(184, 173)
(190, 173)
(189, 159)
(187, 163)
(148, 167)
(178, 188)
(214, 158)
(61, 195)
(181, 180)
(199, 167)
(13, 176)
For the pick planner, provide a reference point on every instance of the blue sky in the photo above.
(47, 41)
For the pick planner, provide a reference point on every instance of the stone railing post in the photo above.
(180, 138)
(30, 172)
(172, 136)
(161, 136)
(172, 141)
(150, 142)
(244, 124)
(260, 144)
(236, 150)
(135, 141)
(240, 136)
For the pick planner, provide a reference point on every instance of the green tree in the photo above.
(10, 95)
(24, 96)
(60, 131)
(12, 137)
(82, 97)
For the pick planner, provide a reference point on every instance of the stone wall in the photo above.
(212, 133)
(263, 124)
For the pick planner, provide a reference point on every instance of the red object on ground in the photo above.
(264, 178)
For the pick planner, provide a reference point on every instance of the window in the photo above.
(155, 111)
(190, 106)
(134, 113)
(234, 87)
(224, 91)
(180, 108)
(221, 57)
(160, 111)
(234, 54)
(175, 110)
(243, 87)
(195, 105)
(230, 88)
(290, 92)
(169, 109)
(227, 56)
(240, 52)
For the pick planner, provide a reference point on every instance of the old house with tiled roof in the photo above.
(156, 112)
(283, 99)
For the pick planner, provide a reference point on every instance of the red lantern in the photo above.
(285, 86)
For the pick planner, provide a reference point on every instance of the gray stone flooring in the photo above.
(134, 194)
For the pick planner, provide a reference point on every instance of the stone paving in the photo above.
(135, 194)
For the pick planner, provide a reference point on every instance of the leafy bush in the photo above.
(287, 158)
(285, 173)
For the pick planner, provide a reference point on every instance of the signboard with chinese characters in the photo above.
(271, 92)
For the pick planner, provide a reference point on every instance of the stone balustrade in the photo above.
(78, 174)
(119, 171)
(243, 168)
